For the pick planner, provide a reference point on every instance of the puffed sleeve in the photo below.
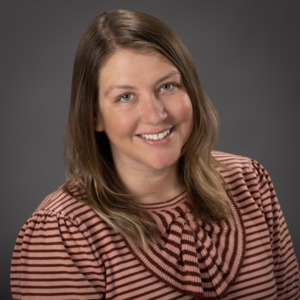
(286, 268)
(53, 259)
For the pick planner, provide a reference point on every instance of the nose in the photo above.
(152, 109)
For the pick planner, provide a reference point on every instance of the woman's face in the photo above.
(144, 110)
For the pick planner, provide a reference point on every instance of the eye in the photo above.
(125, 97)
(167, 86)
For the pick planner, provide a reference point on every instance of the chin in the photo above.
(163, 163)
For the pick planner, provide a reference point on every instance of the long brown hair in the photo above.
(90, 167)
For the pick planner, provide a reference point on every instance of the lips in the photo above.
(156, 136)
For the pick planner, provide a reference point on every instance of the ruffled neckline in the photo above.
(198, 259)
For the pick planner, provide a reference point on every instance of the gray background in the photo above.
(247, 54)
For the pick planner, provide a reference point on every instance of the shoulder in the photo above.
(232, 160)
(62, 204)
(231, 165)
(61, 210)
(61, 220)
(245, 175)
(247, 182)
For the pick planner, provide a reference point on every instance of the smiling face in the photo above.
(144, 110)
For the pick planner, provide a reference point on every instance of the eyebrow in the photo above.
(173, 73)
(130, 87)
(120, 87)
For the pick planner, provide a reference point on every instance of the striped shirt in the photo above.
(65, 251)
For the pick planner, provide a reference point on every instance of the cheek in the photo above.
(185, 115)
(118, 124)
(184, 109)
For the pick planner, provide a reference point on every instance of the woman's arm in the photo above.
(285, 263)
(53, 259)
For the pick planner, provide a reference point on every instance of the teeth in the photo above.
(156, 137)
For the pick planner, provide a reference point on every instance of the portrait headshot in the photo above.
(150, 149)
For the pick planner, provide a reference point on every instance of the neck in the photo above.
(152, 186)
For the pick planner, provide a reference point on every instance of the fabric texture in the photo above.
(65, 251)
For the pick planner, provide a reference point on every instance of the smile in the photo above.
(156, 137)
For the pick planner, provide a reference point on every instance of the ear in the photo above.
(99, 123)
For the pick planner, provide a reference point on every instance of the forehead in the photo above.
(123, 51)
(135, 65)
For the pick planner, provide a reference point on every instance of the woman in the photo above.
(148, 209)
